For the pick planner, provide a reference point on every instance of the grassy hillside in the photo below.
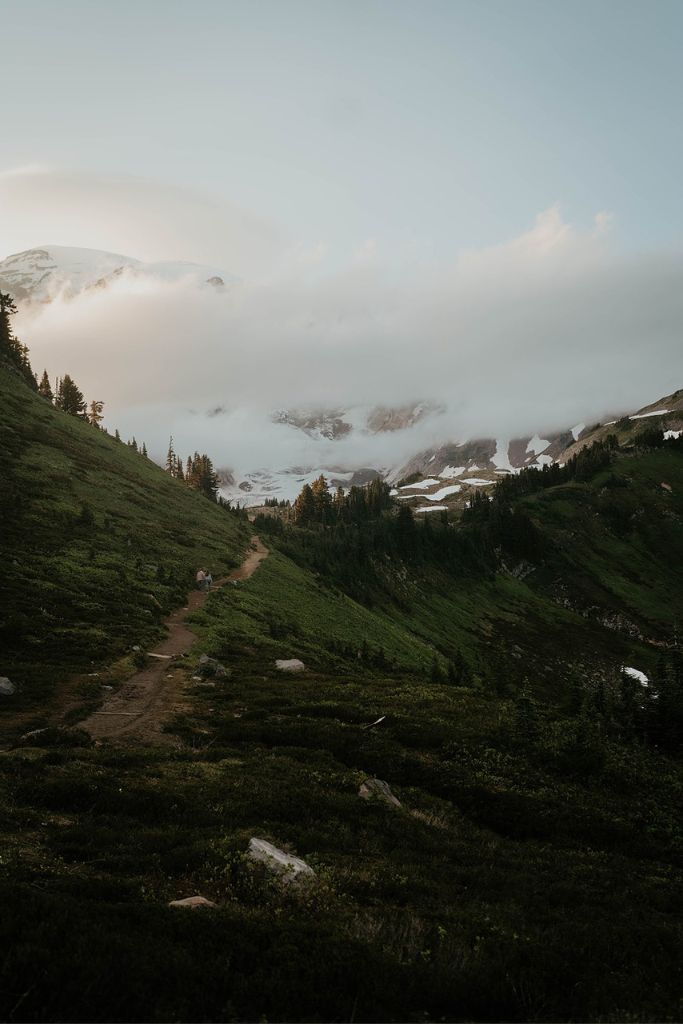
(533, 869)
(97, 543)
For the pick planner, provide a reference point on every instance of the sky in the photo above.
(444, 176)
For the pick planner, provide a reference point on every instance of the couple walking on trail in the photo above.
(204, 579)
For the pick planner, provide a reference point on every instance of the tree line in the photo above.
(198, 471)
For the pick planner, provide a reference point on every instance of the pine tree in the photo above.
(144, 450)
(171, 457)
(304, 506)
(322, 500)
(11, 348)
(69, 397)
(117, 435)
(44, 388)
(95, 416)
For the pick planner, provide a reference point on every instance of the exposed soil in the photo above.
(138, 710)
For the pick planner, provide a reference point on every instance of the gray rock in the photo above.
(210, 667)
(290, 665)
(192, 903)
(377, 789)
(7, 687)
(290, 868)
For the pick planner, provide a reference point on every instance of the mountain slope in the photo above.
(531, 870)
(97, 542)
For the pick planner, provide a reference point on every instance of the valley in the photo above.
(527, 865)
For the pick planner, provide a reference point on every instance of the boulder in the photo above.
(192, 902)
(7, 687)
(210, 667)
(281, 863)
(377, 789)
(290, 665)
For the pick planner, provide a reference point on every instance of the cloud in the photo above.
(535, 334)
(146, 219)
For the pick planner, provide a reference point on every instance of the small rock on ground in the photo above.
(192, 902)
(7, 687)
(290, 665)
(377, 789)
(210, 667)
(277, 860)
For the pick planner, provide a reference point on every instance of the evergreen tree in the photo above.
(322, 500)
(95, 416)
(201, 475)
(171, 458)
(304, 506)
(144, 450)
(11, 348)
(44, 388)
(69, 398)
(117, 436)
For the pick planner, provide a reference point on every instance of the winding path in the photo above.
(138, 710)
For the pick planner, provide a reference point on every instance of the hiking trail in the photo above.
(138, 710)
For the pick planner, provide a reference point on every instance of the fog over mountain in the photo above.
(537, 333)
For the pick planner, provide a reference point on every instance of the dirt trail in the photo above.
(138, 710)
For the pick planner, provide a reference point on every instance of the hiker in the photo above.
(201, 579)
(209, 580)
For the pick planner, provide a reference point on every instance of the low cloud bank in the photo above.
(533, 335)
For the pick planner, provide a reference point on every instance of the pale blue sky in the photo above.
(429, 126)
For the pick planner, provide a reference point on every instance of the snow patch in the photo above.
(430, 482)
(672, 434)
(645, 415)
(442, 493)
(538, 445)
(432, 508)
(635, 673)
(476, 481)
(452, 471)
(501, 456)
(578, 430)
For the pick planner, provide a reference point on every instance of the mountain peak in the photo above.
(45, 272)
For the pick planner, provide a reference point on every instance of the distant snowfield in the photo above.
(451, 471)
(432, 508)
(578, 430)
(476, 481)
(645, 415)
(430, 482)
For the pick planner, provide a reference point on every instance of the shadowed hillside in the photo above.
(97, 542)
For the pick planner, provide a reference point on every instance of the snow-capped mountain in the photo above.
(40, 275)
(446, 476)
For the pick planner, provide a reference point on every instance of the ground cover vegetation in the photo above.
(97, 544)
(533, 868)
